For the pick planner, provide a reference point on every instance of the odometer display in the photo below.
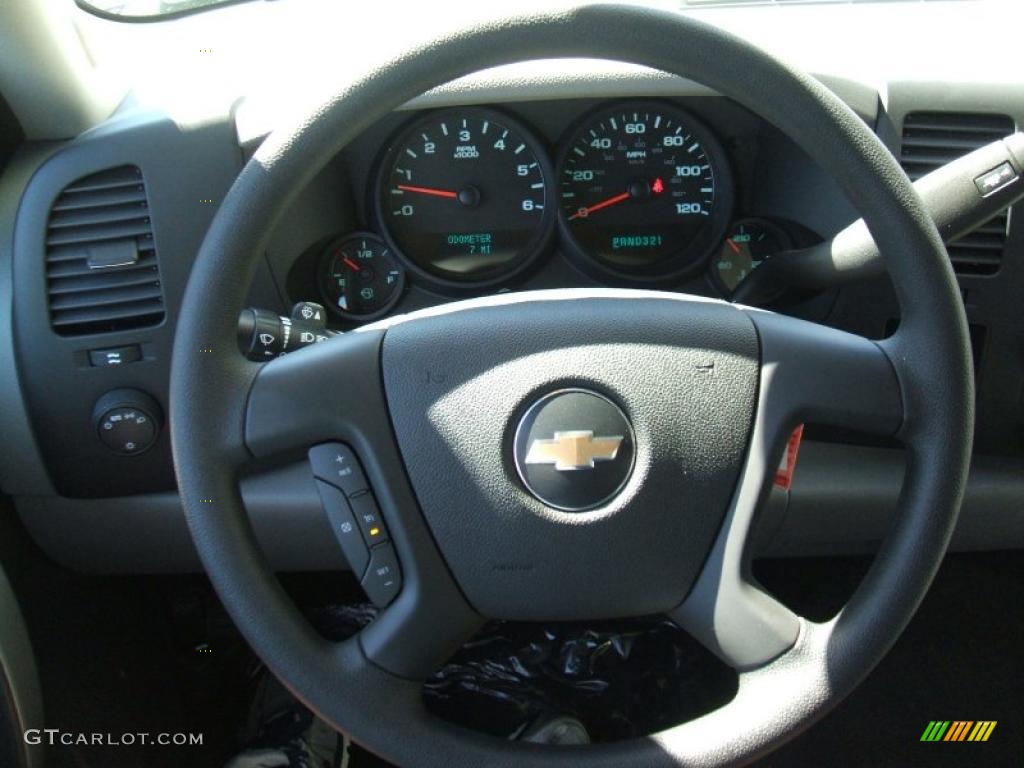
(463, 196)
(644, 190)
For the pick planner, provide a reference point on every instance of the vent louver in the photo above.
(931, 139)
(102, 272)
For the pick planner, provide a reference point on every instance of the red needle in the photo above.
(598, 206)
(429, 191)
(352, 265)
(731, 244)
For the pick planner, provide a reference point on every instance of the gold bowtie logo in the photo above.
(577, 449)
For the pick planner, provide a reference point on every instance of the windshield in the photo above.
(143, 9)
(127, 10)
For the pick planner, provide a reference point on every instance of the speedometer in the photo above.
(644, 191)
(462, 195)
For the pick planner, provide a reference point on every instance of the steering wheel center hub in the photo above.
(574, 456)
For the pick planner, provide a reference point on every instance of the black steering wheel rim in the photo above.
(930, 356)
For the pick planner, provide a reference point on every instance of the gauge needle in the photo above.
(428, 191)
(351, 264)
(598, 206)
(731, 244)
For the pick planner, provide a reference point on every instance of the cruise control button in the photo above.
(383, 578)
(337, 464)
(368, 517)
(996, 179)
(343, 523)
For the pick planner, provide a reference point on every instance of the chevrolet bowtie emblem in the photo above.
(576, 449)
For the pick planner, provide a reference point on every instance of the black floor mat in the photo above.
(110, 661)
(961, 658)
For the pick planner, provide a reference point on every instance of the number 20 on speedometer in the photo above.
(644, 191)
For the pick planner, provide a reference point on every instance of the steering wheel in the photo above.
(706, 394)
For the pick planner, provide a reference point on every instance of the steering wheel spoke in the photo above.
(419, 632)
(809, 373)
(325, 392)
(725, 610)
(331, 394)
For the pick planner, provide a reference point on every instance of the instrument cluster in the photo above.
(637, 192)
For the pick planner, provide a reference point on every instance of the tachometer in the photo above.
(644, 191)
(463, 196)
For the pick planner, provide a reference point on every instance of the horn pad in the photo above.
(647, 451)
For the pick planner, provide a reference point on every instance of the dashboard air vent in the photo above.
(931, 139)
(102, 272)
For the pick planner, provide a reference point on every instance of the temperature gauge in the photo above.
(359, 276)
(747, 244)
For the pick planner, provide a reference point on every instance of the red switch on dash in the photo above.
(784, 474)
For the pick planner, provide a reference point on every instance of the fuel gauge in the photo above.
(359, 277)
(747, 244)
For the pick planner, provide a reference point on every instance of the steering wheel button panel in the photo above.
(343, 523)
(368, 518)
(383, 579)
(337, 464)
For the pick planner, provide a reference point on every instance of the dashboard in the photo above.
(676, 194)
(502, 185)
